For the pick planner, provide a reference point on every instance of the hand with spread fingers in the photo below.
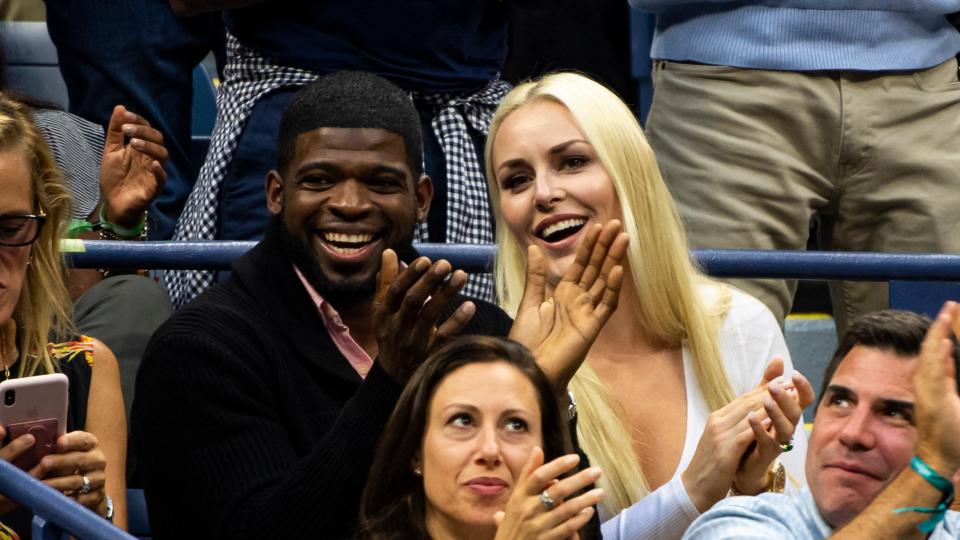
(560, 325)
(545, 506)
(773, 428)
(131, 173)
(407, 310)
(76, 470)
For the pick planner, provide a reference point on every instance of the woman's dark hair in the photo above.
(393, 504)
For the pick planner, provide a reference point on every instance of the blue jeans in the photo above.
(140, 54)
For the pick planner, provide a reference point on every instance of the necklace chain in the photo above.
(4, 354)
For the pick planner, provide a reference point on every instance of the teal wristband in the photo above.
(938, 512)
(123, 232)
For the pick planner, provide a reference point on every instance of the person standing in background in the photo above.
(764, 116)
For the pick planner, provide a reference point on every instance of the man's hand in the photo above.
(559, 327)
(407, 309)
(937, 403)
(131, 174)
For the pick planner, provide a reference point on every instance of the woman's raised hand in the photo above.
(541, 507)
(76, 470)
(782, 407)
(560, 325)
(727, 451)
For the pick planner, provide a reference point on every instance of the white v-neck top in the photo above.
(749, 338)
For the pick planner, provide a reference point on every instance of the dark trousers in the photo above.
(137, 53)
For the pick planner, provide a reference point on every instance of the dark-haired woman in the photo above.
(465, 450)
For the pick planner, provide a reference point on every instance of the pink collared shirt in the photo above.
(339, 333)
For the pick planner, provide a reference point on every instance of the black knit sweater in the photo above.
(249, 422)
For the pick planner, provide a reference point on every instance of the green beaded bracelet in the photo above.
(124, 233)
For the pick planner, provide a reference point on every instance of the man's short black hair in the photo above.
(893, 330)
(351, 99)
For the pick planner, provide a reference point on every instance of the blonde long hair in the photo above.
(44, 310)
(678, 302)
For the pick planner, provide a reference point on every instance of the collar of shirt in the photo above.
(808, 507)
(339, 333)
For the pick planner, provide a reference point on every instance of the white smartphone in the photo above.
(36, 405)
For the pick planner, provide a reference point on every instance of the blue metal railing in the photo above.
(55, 514)
(474, 258)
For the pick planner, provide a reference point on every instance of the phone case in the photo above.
(40, 408)
(45, 433)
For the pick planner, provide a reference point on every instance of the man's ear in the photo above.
(423, 191)
(274, 190)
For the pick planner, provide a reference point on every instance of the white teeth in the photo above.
(345, 251)
(347, 238)
(561, 225)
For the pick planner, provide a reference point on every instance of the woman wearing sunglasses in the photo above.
(35, 308)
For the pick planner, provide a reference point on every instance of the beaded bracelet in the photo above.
(939, 511)
(121, 233)
(108, 231)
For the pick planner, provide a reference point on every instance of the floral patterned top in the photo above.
(75, 360)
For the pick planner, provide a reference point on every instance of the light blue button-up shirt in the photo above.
(777, 516)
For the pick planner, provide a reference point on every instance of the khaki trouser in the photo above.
(751, 155)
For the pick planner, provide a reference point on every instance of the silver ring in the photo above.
(85, 486)
(547, 501)
(787, 446)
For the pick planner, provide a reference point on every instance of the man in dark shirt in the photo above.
(259, 405)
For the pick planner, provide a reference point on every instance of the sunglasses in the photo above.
(20, 230)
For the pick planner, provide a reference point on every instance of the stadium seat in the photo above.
(32, 65)
(33, 69)
(204, 114)
(926, 297)
(138, 523)
(641, 36)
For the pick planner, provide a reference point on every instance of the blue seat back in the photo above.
(926, 297)
(138, 522)
(32, 63)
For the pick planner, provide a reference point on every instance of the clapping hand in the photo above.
(131, 174)
(560, 326)
(407, 309)
(937, 403)
(542, 505)
(726, 455)
(773, 430)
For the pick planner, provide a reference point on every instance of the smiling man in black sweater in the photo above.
(259, 405)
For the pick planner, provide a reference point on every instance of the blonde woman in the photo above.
(89, 462)
(657, 396)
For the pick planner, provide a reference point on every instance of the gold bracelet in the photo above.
(776, 481)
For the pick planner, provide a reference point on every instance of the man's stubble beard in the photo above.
(351, 291)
